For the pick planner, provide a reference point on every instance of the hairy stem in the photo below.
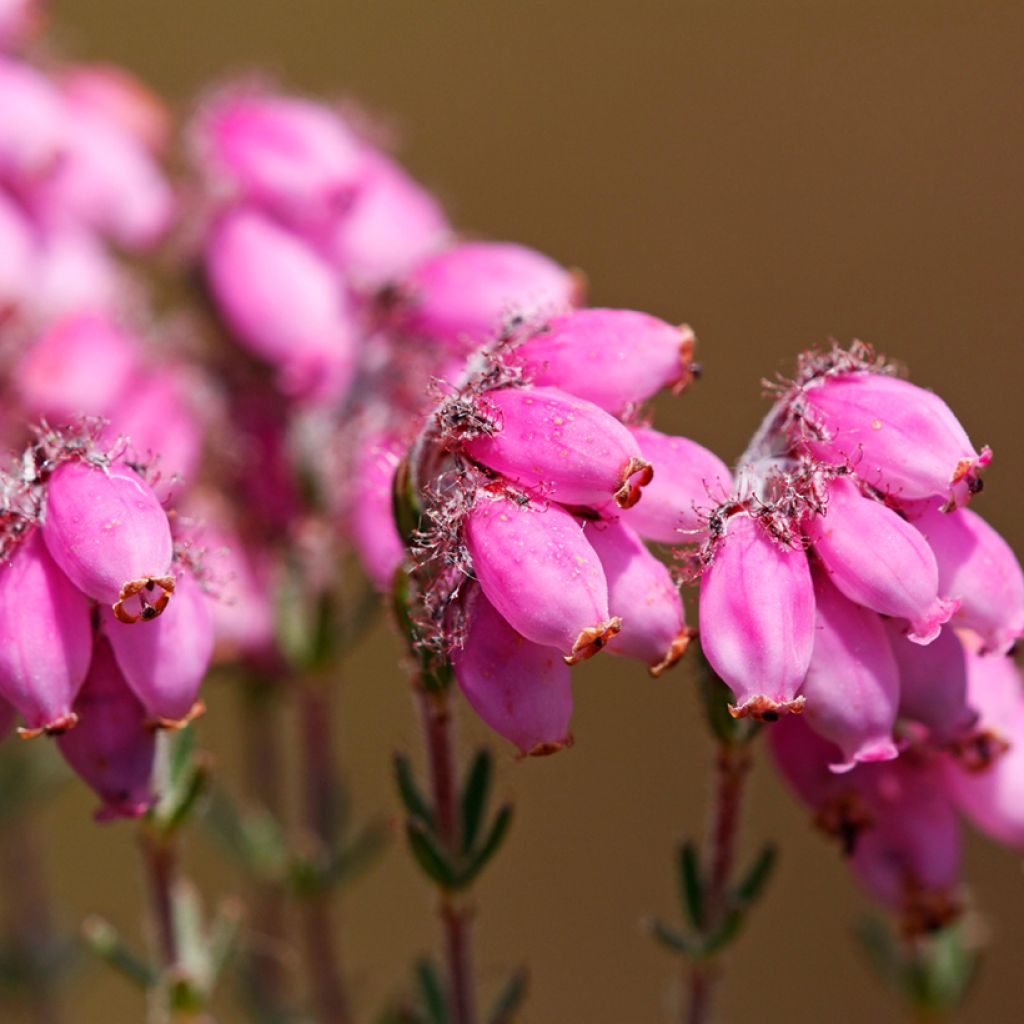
(732, 766)
(322, 798)
(456, 916)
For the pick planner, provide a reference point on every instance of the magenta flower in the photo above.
(370, 519)
(33, 122)
(18, 20)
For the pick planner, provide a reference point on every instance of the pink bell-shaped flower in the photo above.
(901, 439)
(165, 663)
(640, 592)
(757, 618)
(47, 638)
(520, 689)
(568, 449)
(33, 122)
(688, 482)
(539, 571)
(852, 683)
(112, 749)
(979, 569)
(877, 559)
(615, 358)
(463, 296)
(73, 272)
(106, 529)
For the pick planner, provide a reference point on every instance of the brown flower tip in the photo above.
(628, 493)
(689, 370)
(765, 709)
(57, 727)
(926, 910)
(174, 724)
(144, 589)
(593, 640)
(978, 750)
(547, 749)
(675, 652)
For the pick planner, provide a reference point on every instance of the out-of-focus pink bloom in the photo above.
(757, 618)
(992, 798)
(392, 225)
(79, 367)
(900, 438)
(852, 683)
(614, 358)
(520, 689)
(539, 571)
(463, 296)
(112, 749)
(46, 630)
(18, 20)
(640, 592)
(291, 155)
(370, 520)
(165, 662)
(933, 684)
(119, 97)
(877, 559)
(106, 529)
(17, 257)
(978, 569)
(33, 122)
(688, 481)
(283, 303)
(73, 271)
(571, 450)
(106, 179)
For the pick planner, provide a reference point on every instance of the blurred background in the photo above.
(774, 174)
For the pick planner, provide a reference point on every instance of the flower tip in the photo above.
(125, 809)
(688, 370)
(197, 710)
(548, 748)
(883, 750)
(927, 629)
(593, 640)
(978, 749)
(675, 652)
(765, 709)
(143, 588)
(966, 479)
(629, 493)
(57, 727)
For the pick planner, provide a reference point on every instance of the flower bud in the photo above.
(165, 663)
(296, 157)
(521, 690)
(877, 559)
(463, 296)
(371, 521)
(571, 450)
(979, 569)
(757, 619)
(933, 684)
(105, 528)
(614, 358)
(852, 683)
(112, 749)
(642, 594)
(688, 482)
(392, 225)
(283, 302)
(79, 367)
(33, 122)
(900, 438)
(541, 574)
(46, 638)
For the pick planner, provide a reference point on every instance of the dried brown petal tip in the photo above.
(764, 709)
(57, 727)
(978, 750)
(547, 749)
(143, 589)
(174, 724)
(593, 640)
(629, 493)
(675, 652)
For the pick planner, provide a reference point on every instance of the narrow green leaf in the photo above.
(474, 797)
(674, 941)
(691, 884)
(102, 938)
(725, 933)
(404, 505)
(192, 787)
(431, 991)
(489, 847)
(509, 999)
(884, 953)
(429, 855)
(183, 746)
(357, 854)
(753, 883)
(222, 942)
(414, 801)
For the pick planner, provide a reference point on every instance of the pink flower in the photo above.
(370, 519)
(17, 257)
(33, 122)
(73, 272)
(757, 618)
(463, 296)
(112, 749)
(18, 20)
(877, 559)
(571, 450)
(106, 529)
(47, 638)
(615, 358)
(520, 689)
(539, 571)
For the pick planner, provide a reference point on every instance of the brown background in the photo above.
(774, 173)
